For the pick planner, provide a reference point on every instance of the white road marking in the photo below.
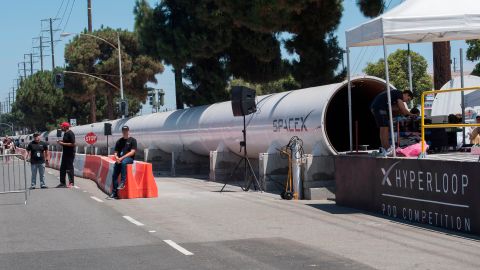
(178, 247)
(152, 231)
(96, 199)
(84, 191)
(138, 223)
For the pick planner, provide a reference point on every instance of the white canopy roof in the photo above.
(447, 103)
(416, 21)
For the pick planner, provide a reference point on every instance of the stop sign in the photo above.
(90, 138)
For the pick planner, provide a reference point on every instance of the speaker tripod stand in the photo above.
(248, 172)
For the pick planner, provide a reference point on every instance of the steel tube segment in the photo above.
(280, 116)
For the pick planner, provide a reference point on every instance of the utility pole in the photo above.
(89, 16)
(31, 64)
(93, 98)
(51, 44)
(13, 94)
(41, 52)
(46, 25)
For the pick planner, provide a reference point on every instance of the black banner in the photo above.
(445, 194)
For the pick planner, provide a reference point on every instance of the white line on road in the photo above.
(96, 199)
(138, 223)
(178, 247)
(152, 231)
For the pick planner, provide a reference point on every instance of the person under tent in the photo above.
(379, 109)
(474, 134)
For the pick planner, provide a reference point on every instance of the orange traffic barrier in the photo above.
(140, 182)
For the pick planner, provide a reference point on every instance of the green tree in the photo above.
(177, 31)
(473, 54)
(398, 69)
(38, 103)
(284, 84)
(371, 8)
(90, 55)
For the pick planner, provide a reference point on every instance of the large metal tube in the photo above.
(317, 115)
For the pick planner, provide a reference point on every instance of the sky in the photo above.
(21, 22)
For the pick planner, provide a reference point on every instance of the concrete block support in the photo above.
(319, 177)
(161, 161)
(273, 171)
(222, 165)
(188, 163)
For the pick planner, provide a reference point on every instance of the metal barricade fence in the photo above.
(14, 174)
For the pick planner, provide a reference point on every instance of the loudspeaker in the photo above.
(243, 101)
(107, 129)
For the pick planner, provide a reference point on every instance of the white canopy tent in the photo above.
(447, 103)
(414, 21)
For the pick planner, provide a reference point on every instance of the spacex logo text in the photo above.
(291, 124)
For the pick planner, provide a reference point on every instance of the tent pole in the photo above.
(389, 97)
(462, 85)
(410, 75)
(349, 100)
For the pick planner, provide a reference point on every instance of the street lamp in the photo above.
(118, 47)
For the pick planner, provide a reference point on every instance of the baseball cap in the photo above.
(65, 124)
(125, 128)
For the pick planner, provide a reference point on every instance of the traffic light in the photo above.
(150, 99)
(161, 97)
(59, 83)
(123, 107)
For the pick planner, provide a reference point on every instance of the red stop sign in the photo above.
(90, 138)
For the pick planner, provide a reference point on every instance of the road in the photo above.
(193, 226)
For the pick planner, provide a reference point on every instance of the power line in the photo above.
(58, 11)
(63, 15)
(68, 18)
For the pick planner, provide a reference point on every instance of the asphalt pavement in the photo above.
(193, 226)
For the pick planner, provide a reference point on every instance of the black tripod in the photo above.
(248, 172)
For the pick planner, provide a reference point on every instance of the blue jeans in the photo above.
(40, 167)
(120, 168)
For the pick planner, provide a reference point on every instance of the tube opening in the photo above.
(364, 90)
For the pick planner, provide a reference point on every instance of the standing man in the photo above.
(379, 110)
(68, 145)
(38, 155)
(125, 149)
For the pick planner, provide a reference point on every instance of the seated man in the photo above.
(125, 149)
(379, 108)
(475, 133)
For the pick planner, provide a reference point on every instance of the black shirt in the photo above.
(381, 100)
(37, 152)
(69, 151)
(123, 146)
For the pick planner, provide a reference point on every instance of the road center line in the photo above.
(132, 220)
(178, 247)
(96, 199)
